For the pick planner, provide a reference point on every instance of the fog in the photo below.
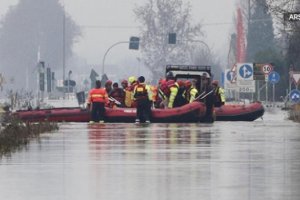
(104, 23)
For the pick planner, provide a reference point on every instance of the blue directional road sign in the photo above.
(230, 76)
(273, 77)
(295, 95)
(246, 71)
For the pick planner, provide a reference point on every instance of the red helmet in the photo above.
(124, 82)
(188, 84)
(215, 82)
(108, 82)
(170, 82)
(161, 81)
(180, 83)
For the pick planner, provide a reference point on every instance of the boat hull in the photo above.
(192, 112)
(233, 112)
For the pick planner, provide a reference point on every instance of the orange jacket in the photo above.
(98, 95)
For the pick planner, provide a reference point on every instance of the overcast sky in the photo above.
(105, 22)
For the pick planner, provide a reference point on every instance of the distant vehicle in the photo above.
(190, 72)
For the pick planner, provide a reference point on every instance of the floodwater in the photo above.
(224, 160)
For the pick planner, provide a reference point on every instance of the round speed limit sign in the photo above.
(266, 69)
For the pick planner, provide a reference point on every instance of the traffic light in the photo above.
(257, 72)
(172, 38)
(134, 43)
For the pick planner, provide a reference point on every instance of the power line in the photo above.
(136, 27)
(108, 27)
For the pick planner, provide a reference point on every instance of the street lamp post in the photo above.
(121, 42)
(133, 44)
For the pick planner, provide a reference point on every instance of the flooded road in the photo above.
(224, 160)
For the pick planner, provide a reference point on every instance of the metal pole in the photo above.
(38, 88)
(68, 83)
(266, 92)
(273, 92)
(64, 46)
(108, 51)
(258, 91)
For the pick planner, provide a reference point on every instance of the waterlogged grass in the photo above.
(294, 113)
(15, 135)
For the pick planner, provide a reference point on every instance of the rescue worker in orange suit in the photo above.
(219, 94)
(142, 96)
(118, 94)
(96, 101)
(191, 91)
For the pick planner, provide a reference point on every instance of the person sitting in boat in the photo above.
(191, 92)
(108, 87)
(97, 99)
(124, 84)
(127, 93)
(142, 96)
(117, 96)
(218, 93)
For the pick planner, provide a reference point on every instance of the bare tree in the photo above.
(158, 18)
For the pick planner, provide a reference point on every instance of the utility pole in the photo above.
(64, 47)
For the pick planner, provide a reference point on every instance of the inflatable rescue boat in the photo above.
(193, 112)
(239, 112)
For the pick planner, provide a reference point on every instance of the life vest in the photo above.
(191, 94)
(129, 95)
(219, 95)
(164, 89)
(132, 86)
(154, 93)
(140, 92)
(128, 98)
(173, 88)
(98, 95)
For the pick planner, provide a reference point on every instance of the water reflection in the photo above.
(157, 139)
(151, 161)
